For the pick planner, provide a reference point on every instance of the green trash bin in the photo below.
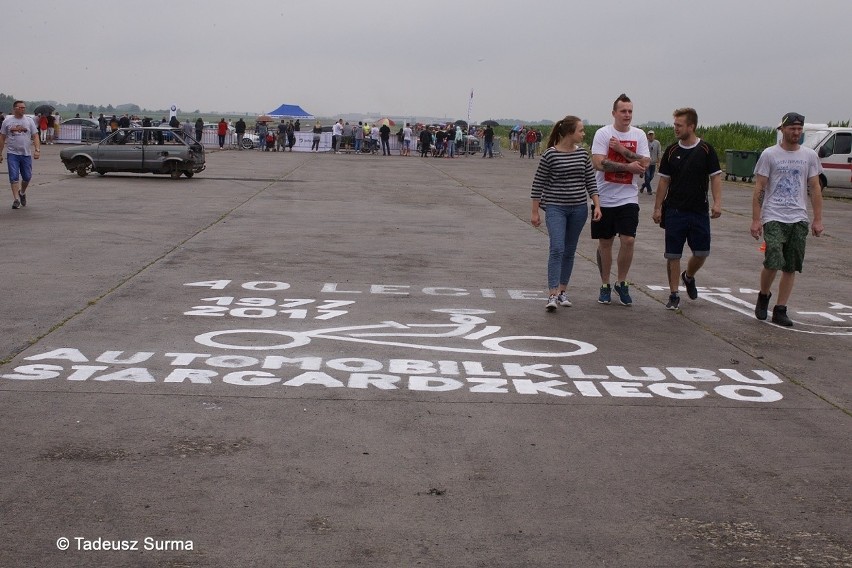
(740, 164)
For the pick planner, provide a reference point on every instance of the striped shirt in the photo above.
(564, 178)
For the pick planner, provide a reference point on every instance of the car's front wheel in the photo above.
(246, 143)
(84, 166)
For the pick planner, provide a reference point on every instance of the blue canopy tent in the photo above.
(290, 111)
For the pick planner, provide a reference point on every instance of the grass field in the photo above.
(732, 136)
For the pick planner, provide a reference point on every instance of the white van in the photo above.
(833, 145)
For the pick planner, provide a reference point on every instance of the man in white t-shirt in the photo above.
(619, 152)
(336, 134)
(784, 176)
(19, 135)
(406, 140)
(374, 139)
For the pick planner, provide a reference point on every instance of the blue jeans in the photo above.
(489, 149)
(649, 175)
(358, 144)
(564, 225)
(20, 167)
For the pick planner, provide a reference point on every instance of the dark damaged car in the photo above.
(156, 150)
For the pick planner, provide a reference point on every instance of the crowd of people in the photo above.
(47, 125)
(526, 140)
(568, 177)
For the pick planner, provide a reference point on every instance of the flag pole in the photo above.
(469, 109)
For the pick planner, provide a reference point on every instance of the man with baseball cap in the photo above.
(784, 176)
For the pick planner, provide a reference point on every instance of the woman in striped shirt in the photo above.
(564, 181)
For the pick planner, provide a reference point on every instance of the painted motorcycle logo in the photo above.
(465, 325)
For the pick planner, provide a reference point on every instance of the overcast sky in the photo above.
(732, 60)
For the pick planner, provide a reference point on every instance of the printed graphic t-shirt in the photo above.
(786, 198)
(19, 134)
(618, 188)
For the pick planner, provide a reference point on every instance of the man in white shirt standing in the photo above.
(336, 134)
(619, 152)
(406, 140)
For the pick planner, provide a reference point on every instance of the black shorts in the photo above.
(622, 220)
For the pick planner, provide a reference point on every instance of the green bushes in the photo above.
(731, 136)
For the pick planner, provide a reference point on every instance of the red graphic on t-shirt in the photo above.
(613, 156)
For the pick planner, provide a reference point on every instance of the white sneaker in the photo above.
(551, 303)
(563, 300)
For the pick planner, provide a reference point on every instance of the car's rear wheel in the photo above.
(246, 143)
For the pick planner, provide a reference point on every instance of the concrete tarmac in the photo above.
(312, 360)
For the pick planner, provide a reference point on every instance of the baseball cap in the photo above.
(650, 132)
(792, 118)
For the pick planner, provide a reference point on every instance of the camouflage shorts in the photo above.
(785, 245)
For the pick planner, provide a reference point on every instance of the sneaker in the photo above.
(551, 303)
(762, 306)
(16, 204)
(691, 290)
(779, 316)
(673, 303)
(563, 300)
(623, 294)
(23, 197)
(605, 296)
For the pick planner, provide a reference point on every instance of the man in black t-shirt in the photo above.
(488, 147)
(384, 134)
(684, 172)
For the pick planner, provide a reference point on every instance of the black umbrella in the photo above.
(490, 123)
(44, 109)
(461, 123)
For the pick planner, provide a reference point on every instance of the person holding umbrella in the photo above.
(384, 134)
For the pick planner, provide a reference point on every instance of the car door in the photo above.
(122, 151)
(156, 154)
(836, 157)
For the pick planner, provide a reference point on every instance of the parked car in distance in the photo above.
(833, 145)
(156, 150)
(90, 129)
